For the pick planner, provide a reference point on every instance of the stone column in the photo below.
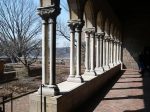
(79, 26)
(104, 52)
(49, 15)
(115, 52)
(92, 37)
(97, 36)
(106, 67)
(45, 52)
(120, 51)
(117, 45)
(99, 53)
(111, 53)
(72, 25)
(87, 51)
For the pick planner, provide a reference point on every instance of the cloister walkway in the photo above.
(128, 92)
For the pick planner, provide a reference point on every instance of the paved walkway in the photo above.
(19, 105)
(126, 93)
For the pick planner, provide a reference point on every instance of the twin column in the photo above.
(90, 37)
(75, 27)
(49, 15)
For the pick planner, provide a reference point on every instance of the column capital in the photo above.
(48, 12)
(116, 40)
(72, 24)
(79, 25)
(90, 30)
(100, 35)
(112, 39)
(107, 38)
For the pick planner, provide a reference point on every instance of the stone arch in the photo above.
(111, 29)
(89, 14)
(106, 27)
(99, 21)
(73, 9)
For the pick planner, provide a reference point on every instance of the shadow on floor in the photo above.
(100, 95)
(93, 102)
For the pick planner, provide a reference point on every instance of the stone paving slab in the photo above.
(127, 95)
(19, 105)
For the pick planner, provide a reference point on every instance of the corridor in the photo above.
(128, 92)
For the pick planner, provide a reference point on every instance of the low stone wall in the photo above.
(75, 95)
(7, 76)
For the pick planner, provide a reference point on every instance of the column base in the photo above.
(78, 79)
(118, 62)
(93, 73)
(115, 64)
(111, 65)
(51, 90)
(75, 79)
(106, 68)
(70, 78)
(87, 72)
(99, 70)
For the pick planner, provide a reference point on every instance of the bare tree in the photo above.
(19, 31)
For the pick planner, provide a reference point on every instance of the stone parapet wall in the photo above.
(76, 95)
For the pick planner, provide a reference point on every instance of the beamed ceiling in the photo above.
(128, 9)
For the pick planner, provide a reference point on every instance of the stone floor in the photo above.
(19, 105)
(128, 92)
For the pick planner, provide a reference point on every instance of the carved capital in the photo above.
(90, 31)
(112, 39)
(79, 25)
(100, 35)
(72, 25)
(48, 12)
(107, 38)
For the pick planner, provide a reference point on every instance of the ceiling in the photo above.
(128, 9)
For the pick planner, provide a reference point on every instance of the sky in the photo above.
(64, 16)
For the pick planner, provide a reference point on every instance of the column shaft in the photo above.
(52, 52)
(98, 52)
(117, 58)
(114, 53)
(79, 26)
(104, 49)
(72, 53)
(111, 53)
(92, 37)
(78, 67)
(101, 52)
(120, 51)
(87, 37)
(45, 53)
(71, 25)
(106, 67)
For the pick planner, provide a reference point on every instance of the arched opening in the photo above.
(106, 28)
(99, 19)
(89, 15)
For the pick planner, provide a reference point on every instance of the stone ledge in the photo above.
(72, 94)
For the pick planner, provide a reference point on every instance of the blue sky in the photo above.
(64, 16)
(61, 42)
